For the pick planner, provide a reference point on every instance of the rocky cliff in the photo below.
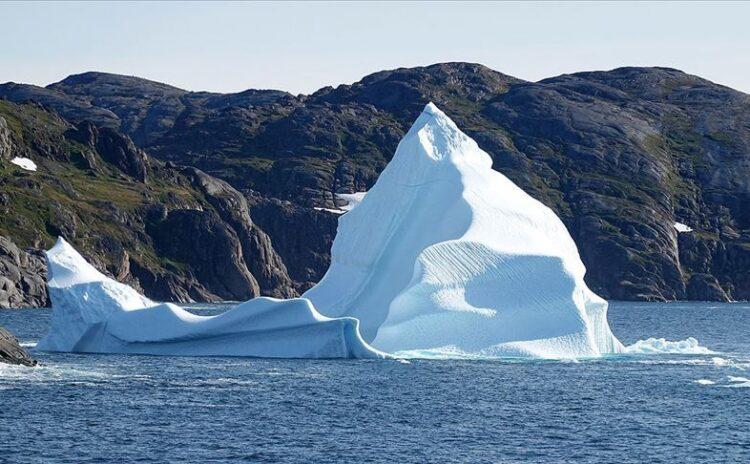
(176, 233)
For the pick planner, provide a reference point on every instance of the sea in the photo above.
(687, 404)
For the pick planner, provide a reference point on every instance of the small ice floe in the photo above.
(682, 227)
(730, 382)
(705, 382)
(24, 163)
(738, 382)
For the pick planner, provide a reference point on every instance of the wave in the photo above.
(704, 382)
(650, 346)
(729, 382)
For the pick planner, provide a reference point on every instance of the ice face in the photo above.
(446, 255)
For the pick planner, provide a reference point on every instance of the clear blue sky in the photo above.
(301, 47)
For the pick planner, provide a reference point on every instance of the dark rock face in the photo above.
(302, 236)
(22, 277)
(11, 352)
(257, 251)
(210, 247)
(6, 144)
(183, 236)
(145, 110)
(113, 148)
(620, 156)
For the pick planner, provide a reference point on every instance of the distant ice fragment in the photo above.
(95, 314)
(705, 382)
(445, 256)
(24, 163)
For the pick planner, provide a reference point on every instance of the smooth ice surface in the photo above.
(446, 256)
(95, 314)
(680, 227)
(24, 163)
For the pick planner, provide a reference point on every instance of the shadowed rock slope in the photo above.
(175, 233)
(11, 352)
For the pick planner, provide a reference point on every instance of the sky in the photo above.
(300, 47)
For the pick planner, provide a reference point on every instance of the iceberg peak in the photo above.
(432, 149)
(66, 267)
(444, 253)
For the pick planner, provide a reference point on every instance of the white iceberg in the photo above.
(446, 256)
(95, 314)
(442, 257)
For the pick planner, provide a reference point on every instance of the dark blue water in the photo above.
(674, 408)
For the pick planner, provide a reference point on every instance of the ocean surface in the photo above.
(690, 406)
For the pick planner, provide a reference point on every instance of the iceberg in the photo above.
(442, 257)
(445, 256)
(95, 314)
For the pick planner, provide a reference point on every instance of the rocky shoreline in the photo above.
(11, 352)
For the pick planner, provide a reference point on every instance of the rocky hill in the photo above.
(176, 233)
(621, 156)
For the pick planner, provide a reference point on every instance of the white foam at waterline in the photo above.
(662, 346)
(46, 373)
(651, 346)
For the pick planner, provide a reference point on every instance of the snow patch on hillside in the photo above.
(351, 199)
(682, 227)
(24, 163)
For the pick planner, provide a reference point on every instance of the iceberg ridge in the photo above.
(95, 314)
